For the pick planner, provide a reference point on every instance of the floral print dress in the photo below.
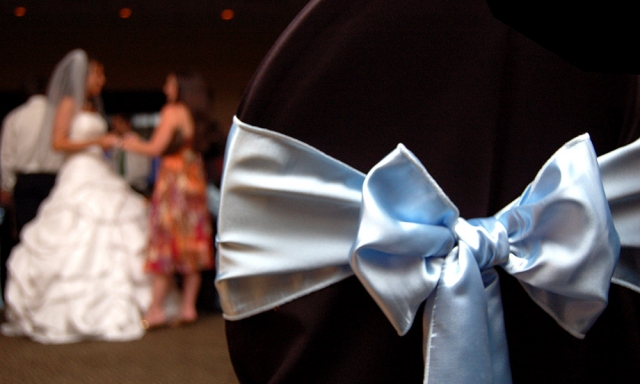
(180, 225)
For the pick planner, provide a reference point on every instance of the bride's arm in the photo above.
(161, 137)
(62, 124)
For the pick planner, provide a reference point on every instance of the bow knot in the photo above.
(487, 239)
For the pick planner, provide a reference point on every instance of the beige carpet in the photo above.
(191, 354)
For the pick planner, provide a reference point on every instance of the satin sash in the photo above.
(620, 171)
(294, 220)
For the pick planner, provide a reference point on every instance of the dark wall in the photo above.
(140, 51)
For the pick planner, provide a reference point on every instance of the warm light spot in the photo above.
(125, 13)
(227, 14)
(20, 11)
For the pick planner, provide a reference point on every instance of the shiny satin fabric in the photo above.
(293, 220)
(621, 179)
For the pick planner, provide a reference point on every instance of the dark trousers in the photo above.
(29, 192)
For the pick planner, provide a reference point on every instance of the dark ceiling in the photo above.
(160, 36)
(186, 13)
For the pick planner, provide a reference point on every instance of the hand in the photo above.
(129, 140)
(109, 141)
(132, 134)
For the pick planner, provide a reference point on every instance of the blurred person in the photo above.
(28, 164)
(135, 168)
(27, 178)
(77, 272)
(180, 225)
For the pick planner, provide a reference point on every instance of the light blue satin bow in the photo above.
(293, 220)
(620, 171)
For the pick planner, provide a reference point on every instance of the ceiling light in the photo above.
(125, 13)
(227, 14)
(20, 11)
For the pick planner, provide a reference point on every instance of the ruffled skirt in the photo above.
(77, 273)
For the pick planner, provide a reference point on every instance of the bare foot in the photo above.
(154, 318)
(188, 315)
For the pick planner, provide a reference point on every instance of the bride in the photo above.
(77, 273)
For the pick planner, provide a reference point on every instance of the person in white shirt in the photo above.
(28, 163)
(133, 167)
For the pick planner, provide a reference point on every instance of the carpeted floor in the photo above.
(190, 354)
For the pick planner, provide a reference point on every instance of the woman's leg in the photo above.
(190, 289)
(155, 314)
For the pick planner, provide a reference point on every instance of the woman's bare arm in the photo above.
(171, 117)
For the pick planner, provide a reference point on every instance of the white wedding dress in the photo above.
(77, 273)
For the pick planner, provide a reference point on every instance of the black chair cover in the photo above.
(483, 108)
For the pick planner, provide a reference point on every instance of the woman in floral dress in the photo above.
(180, 226)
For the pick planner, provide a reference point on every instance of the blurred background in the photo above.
(140, 42)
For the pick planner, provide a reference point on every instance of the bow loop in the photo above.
(562, 239)
(620, 174)
(405, 223)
